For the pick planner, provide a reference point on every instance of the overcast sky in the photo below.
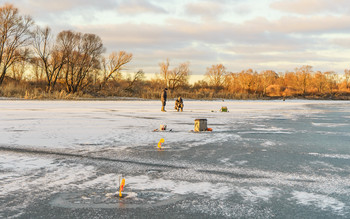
(241, 34)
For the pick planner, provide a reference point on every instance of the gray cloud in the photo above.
(242, 9)
(44, 6)
(131, 7)
(315, 24)
(287, 62)
(60, 15)
(204, 45)
(308, 7)
(259, 34)
(208, 10)
(295, 24)
(341, 42)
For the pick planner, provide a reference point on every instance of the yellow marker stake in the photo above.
(121, 188)
(160, 143)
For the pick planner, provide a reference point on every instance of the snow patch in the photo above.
(212, 190)
(329, 125)
(336, 156)
(268, 144)
(255, 194)
(322, 202)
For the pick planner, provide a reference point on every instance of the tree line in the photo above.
(35, 63)
(302, 82)
(73, 58)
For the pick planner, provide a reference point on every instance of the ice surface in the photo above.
(11, 162)
(59, 124)
(261, 157)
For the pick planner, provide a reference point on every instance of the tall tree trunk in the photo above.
(2, 77)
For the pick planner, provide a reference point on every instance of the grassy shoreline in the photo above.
(118, 98)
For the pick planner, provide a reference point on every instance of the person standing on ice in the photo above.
(163, 98)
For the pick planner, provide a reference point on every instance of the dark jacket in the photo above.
(179, 104)
(164, 96)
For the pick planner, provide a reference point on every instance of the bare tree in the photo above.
(319, 81)
(232, 83)
(137, 77)
(303, 77)
(50, 59)
(347, 77)
(37, 70)
(216, 75)
(82, 54)
(267, 78)
(164, 71)
(176, 77)
(248, 80)
(18, 69)
(179, 76)
(14, 36)
(114, 64)
(332, 79)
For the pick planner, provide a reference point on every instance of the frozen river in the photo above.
(263, 159)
